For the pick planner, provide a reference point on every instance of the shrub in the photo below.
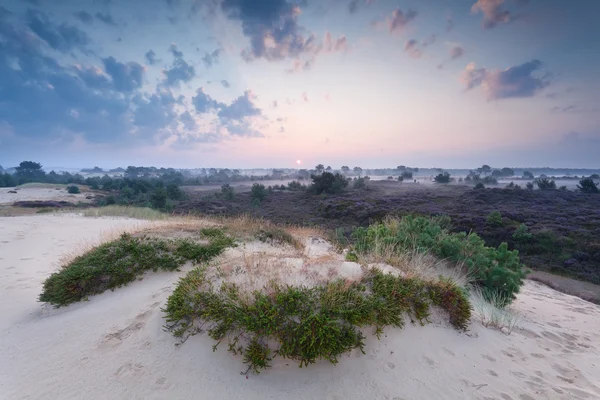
(563, 188)
(529, 185)
(479, 185)
(73, 189)
(522, 234)
(328, 183)
(443, 177)
(406, 175)
(307, 324)
(159, 197)
(587, 185)
(360, 183)
(227, 191)
(494, 219)
(295, 185)
(119, 262)
(494, 269)
(258, 192)
(545, 184)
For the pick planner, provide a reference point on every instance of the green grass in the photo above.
(126, 211)
(308, 324)
(119, 262)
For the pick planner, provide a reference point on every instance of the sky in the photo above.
(278, 83)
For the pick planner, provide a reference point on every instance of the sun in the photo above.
(298, 162)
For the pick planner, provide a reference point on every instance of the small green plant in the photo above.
(227, 191)
(545, 184)
(73, 189)
(587, 185)
(443, 177)
(494, 219)
(351, 256)
(119, 262)
(258, 192)
(306, 324)
(522, 234)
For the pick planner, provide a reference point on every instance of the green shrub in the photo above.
(494, 219)
(73, 189)
(587, 185)
(227, 191)
(522, 234)
(328, 183)
(258, 192)
(495, 270)
(443, 177)
(545, 184)
(479, 185)
(360, 183)
(307, 324)
(119, 262)
(295, 186)
(529, 185)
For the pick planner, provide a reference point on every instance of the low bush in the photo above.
(545, 184)
(360, 183)
(529, 185)
(295, 186)
(258, 192)
(587, 185)
(328, 183)
(227, 191)
(119, 262)
(479, 185)
(308, 324)
(494, 219)
(73, 189)
(277, 235)
(522, 234)
(495, 270)
(443, 177)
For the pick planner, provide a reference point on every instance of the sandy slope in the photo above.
(113, 347)
(25, 193)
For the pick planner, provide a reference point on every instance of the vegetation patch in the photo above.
(278, 235)
(119, 262)
(498, 271)
(306, 324)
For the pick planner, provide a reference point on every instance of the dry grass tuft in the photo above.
(491, 313)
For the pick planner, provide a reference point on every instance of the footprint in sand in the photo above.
(389, 366)
(429, 361)
(537, 355)
(490, 358)
(492, 372)
(448, 351)
(115, 338)
(129, 369)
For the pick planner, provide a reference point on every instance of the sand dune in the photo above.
(114, 347)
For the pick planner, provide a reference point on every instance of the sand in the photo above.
(44, 193)
(113, 346)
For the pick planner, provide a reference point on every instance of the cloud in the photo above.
(62, 37)
(304, 96)
(94, 77)
(210, 59)
(517, 81)
(188, 121)
(126, 77)
(180, 71)
(428, 41)
(456, 51)
(274, 104)
(412, 48)
(106, 18)
(338, 45)
(240, 108)
(151, 57)
(449, 24)
(84, 17)
(156, 111)
(398, 20)
(225, 83)
(493, 13)
(203, 103)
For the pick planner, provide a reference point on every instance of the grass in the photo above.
(302, 323)
(144, 213)
(121, 261)
(492, 311)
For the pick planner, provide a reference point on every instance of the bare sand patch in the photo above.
(113, 346)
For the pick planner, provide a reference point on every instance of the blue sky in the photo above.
(257, 83)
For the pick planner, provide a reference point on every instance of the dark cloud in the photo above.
(180, 71)
(156, 111)
(225, 83)
(62, 37)
(188, 121)
(493, 12)
(84, 17)
(212, 58)
(456, 51)
(151, 57)
(272, 27)
(399, 20)
(517, 81)
(240, 108)
(412, 48)
(126, 77)
(106, 18)
(94, 77)
(353, 6)
(203, 103)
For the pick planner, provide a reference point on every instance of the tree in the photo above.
(358, 170)
(29, 171)
(303, 174)
(484, 169)
(406, 175)
(73, 189)
(345, 169)
(545, 184)
(587, 185)
(401, 167)
(320, 168)
(527, 175)
(328, 169)
(444, 177)
(227, 191)
(259, 192)
(328, 183)
(507, 171)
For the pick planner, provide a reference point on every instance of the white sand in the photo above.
(113, 346)
(40, 193)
